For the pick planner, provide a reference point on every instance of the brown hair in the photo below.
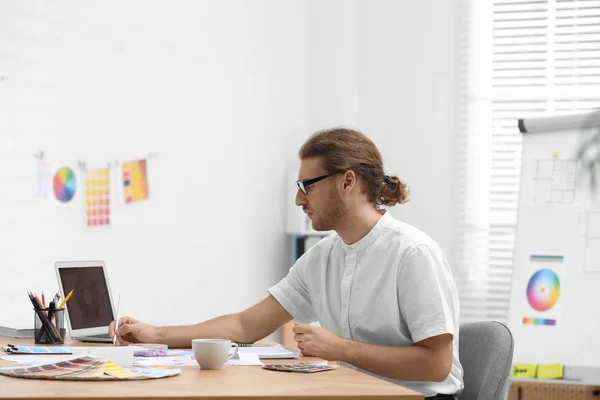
(342, 149)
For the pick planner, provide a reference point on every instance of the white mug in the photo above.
(212, 353)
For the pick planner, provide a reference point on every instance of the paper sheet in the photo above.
(32, 360)
(164, 361)
(244, 359)
(239, 360)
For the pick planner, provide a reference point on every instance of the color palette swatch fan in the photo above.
(87, 369)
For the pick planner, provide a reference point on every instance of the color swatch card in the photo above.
(37, 350)
(97, 197)
(135, 181)
(307, 367)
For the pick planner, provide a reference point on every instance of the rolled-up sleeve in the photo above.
(293, 293)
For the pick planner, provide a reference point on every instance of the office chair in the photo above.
(485, 352)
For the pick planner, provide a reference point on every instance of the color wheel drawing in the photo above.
(135, 181)
(64, 184)
(97, 197)
(543, 290)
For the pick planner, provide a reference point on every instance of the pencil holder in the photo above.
(49, 326)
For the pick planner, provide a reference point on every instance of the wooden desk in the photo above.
(229, 383)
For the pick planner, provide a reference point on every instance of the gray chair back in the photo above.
(486, 353)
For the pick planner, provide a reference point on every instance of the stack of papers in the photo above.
(16, 333)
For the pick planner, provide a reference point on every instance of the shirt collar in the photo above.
(370, 237)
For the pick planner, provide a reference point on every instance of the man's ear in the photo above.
(349, 179)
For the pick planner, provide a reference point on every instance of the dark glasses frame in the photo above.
(304, 184)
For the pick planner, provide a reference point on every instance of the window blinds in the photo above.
(518, 59)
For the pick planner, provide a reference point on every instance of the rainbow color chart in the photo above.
(97, 197)
(64, 184)
(539, 321)
(543, 290)
(135, 181)
(546, 258)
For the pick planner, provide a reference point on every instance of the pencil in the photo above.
(66, 299)
(117, 320)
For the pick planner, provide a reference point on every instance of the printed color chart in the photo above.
(97, 197)
(135, 181)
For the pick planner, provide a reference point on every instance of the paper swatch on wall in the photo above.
(97, 197)
(135, 181)
(43, 180)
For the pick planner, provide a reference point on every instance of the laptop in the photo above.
(90, 309)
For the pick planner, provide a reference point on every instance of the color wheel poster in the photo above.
(65, 185)
(543, 294)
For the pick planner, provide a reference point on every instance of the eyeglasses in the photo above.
(303, 185)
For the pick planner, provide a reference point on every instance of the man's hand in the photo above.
(132, 331)
(318, 342)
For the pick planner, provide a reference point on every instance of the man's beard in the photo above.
(333, 212)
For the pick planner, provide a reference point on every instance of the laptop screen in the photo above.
(89, 306)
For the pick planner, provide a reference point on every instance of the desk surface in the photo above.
(229, 383)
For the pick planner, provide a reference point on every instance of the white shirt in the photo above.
(393, 287)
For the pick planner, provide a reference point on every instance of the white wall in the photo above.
(407, 101)
(388, 69)
(216, 88)
(225, 92)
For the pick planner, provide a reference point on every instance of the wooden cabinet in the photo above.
(545, 390)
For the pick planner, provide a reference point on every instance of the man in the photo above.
(382, 290)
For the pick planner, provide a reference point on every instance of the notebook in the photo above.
(275, 351)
